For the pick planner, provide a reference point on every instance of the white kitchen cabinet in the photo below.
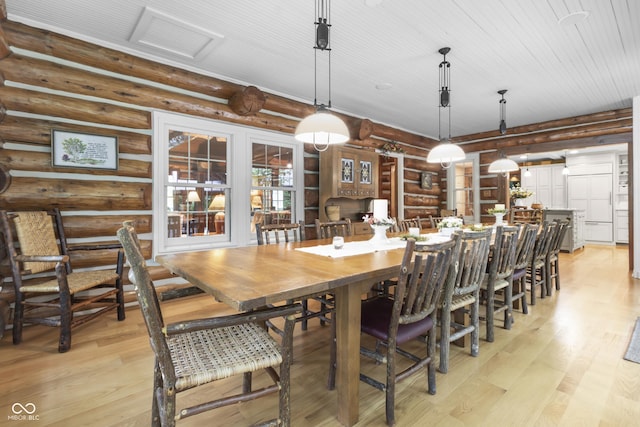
(622, 226)
(594, 194)
(547, 183)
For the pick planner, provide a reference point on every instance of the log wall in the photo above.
(49, 81)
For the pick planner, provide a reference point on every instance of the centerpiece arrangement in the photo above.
(379, 221)
(449, 224)
(519, 194)
(499, 211)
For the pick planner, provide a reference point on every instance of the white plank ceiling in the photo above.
(551, 70)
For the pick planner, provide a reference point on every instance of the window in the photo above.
(203, 172)
(463, 186)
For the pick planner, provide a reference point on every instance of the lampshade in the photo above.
(322, 128)
(565, 170)
(445, 154)
(192, 196)
(217, 204)
(503, 166)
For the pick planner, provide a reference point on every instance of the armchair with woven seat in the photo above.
(537, 270)
(47, 290)
(327, 230)
(524, 254)
(196, 352)
(553, 256)
(407, 315)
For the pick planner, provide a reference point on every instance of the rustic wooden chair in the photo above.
(498, 281)
(461, 294)
(327, 230)
(196, 352)
(524, 253)
(435, 220)
(408, 315)
(405, 224)
(448, 212)
(276, 233)
(537, 270)
(68, 299)
(553, 256)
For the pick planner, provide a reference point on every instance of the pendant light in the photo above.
(503, 112)
(446, 152)
(565, 170)
(322, 128)
(503, 165)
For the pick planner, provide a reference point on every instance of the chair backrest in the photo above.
(543, 241)
(147, 297)
(503, 253)
(448, 212)
(562, 226)
(526, 243)
(423, 273)
(405, 224)
(276, 233)
(327, 230)
(471, 265)
(435, 220)
(38, 233)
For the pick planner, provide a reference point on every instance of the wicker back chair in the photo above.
(327, 230)
(407, 315)
(462, 292)
(537, 270)
(552, 260)
(197, 352)
(499, 278)
(275, 233)
(66, 299)
(524, 253)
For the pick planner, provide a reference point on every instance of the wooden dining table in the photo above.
(251, 277)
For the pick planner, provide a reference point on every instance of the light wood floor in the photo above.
(561, 365)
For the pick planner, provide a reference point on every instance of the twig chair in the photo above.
(406, 316)
(196, 352)
(462, 294)
(70, 298)
(537, 270)
(499, 278)
(553, 256)
(524, 254)
(327, 230)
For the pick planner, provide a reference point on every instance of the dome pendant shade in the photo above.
(445, 154)
(322, 128)
(503, 166)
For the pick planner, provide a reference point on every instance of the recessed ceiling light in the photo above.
(384, 86)
(573, 18)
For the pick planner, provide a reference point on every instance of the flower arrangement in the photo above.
(387, 222)
(518, 192)
(392, 147)
(494, 211)
(450, 222)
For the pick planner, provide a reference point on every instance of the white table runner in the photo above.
(354, 248)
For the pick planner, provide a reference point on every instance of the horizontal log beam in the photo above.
(72, 195)
(37, 161)
(29, 101)
(83, 226)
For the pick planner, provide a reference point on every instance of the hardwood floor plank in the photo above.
(560, 365)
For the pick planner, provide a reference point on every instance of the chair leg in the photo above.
(431, 354)
(445, 333)
(475, 321)
(556, 264)
(508, 301)
(18, 318)
(155, 405)
(66, 317)
(305, 311)
(489, 313)
(120, 288)
(391, 385)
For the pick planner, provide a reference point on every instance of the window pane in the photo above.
(198, 173)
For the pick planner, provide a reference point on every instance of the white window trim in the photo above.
(451, 190)
(240, 140)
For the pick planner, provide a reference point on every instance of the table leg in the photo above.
(348, 353)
